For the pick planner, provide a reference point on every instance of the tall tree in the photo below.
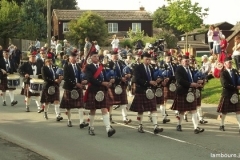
(88, 25)
(185, 16)
(9, 20)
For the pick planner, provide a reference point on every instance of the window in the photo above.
(136, 26)
(112, 27)
(65, 27)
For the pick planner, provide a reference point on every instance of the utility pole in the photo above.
(49, 25)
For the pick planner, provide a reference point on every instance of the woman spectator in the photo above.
(223, 46)
(210, 40)
(212, 67)
(236, 52)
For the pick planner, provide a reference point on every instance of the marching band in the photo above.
(96, 83)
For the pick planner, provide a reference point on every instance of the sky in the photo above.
(219, 10)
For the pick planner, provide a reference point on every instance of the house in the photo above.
(230, 39)
(118, 21)
(198, 37)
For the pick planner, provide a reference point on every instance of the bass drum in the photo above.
(217, 69)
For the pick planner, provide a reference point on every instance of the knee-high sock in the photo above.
(46, 108)
(106, 121)
(4, 96)
(140, 118)
(124, 112)
(238, 119)
(69, 115)
(223, 116)
(27, 101)
(81, 115)
(163, 111)
(57, 109)
(194, 120)
(11, 95)
(91, 120)
(37, 100)
(180, 119)
(154, 120)
(199, 113)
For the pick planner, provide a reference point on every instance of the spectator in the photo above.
(115, 43)
(210, 40)
(37, 44)
(216, 42)
(212, 67)
(96, 46)
(53, 42)
(236, 52)
(16, 56)
(58, 47)
(223, 46)
(87, 46)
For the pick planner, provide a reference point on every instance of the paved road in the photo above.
(54, 140)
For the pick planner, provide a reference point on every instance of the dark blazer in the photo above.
(183, 83)
(112, 66)
(227, 83)
(69, 76)
(142, 83)
(3, 66)
(26, 68)
(47, 76)
(40, 64)
(96, 83)
(165, 66)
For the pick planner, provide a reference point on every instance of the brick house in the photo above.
(118, 21)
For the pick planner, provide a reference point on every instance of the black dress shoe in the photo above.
(4, 103)
(221, 128)
(45, 115)
(59, 118)
(179, 128)
(127, 121)
(198, 130)
(140, 129)
(203, 121)
(69, 124)
(14, 103)
(27, 109)
(166, 120)
(111, 132)
(91, 131)
(40, 110)
(82, 125)
(157, 130)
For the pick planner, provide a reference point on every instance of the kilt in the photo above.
(68, 103)
(25, 91)
(225, 106)
(92, 104)
(140, 103)
(118, 99)
(160, 100)
(168, 94)
(180, 104)
(47, 98)
(3, 85)
(133, 88)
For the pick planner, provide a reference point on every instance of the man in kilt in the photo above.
(229, 101)
(7, 67)
(143, 101)
(120, 81)
(96, 95)
(185, 99)
(73, 90)
(51, 93)
(28, 70)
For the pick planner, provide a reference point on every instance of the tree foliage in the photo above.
(170, 39)
(88, 25)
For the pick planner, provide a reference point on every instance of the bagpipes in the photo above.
(92, 49)
(198, 75)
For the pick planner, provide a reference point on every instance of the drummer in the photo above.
(7, 67)
(30, 70)
(51, 93)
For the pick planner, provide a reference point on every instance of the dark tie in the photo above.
(51, 70)
(189, 75)
(233, 77)
(118, 69)
(75, 70)
(148, 74)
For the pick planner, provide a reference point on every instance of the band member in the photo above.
(51, 93)
(229, 101)
(73, 90)
(185, 99)
(28, 70)
(144, 99)
(96, 95)
(7, 67)
(118, 90)
(133, 80)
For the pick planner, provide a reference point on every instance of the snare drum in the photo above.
(36, 85)
(13, 80)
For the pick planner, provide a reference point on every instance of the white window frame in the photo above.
(65, 27)
(136, 26)
(112, 27)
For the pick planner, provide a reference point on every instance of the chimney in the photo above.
(142, 8)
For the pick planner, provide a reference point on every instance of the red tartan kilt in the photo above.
(4, 86)
(168, 94)
(133, 88)
(117, 99)
(180, 104)
(140, 103)
(46, 98)
(69, 103)
(225, 106)
(92, 104)
(27, 93)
